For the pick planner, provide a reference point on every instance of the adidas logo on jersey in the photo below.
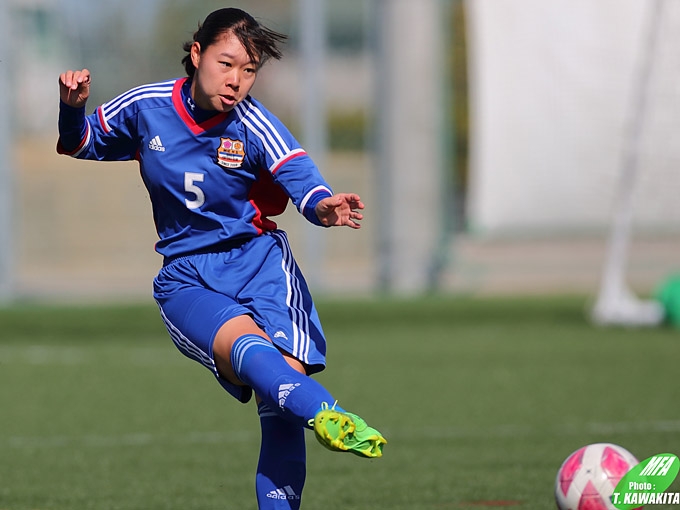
(284, 391)
(286, 493)
(156, 145)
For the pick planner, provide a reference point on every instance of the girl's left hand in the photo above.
(340, 210)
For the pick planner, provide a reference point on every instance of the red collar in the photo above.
(181, 108)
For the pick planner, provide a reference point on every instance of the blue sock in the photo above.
(290, 394)
(281, 469)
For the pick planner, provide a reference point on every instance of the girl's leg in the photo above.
(281, 469)
(243, 354)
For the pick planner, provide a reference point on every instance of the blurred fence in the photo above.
(84, 230)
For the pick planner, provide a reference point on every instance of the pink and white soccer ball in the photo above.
(587, 478)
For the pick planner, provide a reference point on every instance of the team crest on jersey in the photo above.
(230, 153)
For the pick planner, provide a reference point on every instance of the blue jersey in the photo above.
(211, 182)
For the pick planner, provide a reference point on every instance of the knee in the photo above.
(224, 342)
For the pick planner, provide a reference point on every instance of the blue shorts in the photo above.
(198, 293)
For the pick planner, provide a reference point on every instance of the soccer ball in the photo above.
(587, 479)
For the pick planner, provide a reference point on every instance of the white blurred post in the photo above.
(616, 303)
(314, 131)
(6, 166)
(410, 66)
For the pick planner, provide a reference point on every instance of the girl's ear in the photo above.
(195, 54)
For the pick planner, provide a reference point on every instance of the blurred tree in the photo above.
(177, 20)
(347, 22)
(115, 54)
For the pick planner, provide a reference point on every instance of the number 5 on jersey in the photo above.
(190, 178)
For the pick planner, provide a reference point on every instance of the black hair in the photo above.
(260, 42)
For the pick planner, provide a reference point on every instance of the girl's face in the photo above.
(224, 74)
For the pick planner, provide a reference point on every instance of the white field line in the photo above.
(425, 433)
(517, 431)
(46, 355)
(131, 439)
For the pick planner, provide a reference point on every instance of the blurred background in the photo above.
(506, 147)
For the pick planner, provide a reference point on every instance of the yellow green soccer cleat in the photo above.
(347, 432)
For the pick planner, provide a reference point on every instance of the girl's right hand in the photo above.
(74, 87)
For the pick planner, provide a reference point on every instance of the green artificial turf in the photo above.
(480, 399)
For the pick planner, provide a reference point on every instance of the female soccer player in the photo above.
(217, 164)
